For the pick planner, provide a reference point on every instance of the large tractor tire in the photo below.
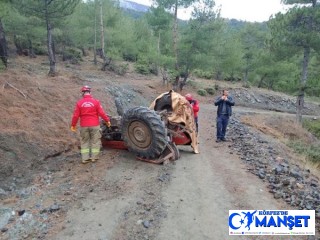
(144, 133)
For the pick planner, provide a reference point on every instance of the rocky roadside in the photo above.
(29, 212)
(39, 211)
(287, 181)
(271, 101)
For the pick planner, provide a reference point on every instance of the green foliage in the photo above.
(170, 4)
(210, 91)
(130, 54)
(269, 55)
(192, 83)
(78, 29)
(54, 9)
(202, 92)
(296, 34)
(73, 55)
(153, 68)
(2, 67)
(120, 69)
(5, 8)
(39, 49)
(202, 74)
(246, 85)
(198, 41)
(311, 151)
(159, 19)
(142, 66)
(312, 126)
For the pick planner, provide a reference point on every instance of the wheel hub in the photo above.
(139, 134)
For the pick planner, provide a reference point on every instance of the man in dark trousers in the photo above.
(224, 111)
(89, 110)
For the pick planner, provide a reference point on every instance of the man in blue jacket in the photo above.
(224, 111)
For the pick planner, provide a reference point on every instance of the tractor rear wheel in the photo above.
(143, 132)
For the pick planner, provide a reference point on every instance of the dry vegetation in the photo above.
(292, 137)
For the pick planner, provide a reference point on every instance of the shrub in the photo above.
(71, 54)
(203, 74)
(202, 92)
(130, 56)
(192, 83)
(312, 152)
(142, 68)
(216, 87)
(39, 49)
(2, 66)
(246, 85)
(211, 91)
(312, 126)
(153, 68)
(120, 69)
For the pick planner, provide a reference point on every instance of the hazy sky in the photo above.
(248, 10)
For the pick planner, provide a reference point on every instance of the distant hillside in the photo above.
(128, 5)
(136, 10)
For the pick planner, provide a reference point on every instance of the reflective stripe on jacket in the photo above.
(89, 110)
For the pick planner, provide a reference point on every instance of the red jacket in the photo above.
(89, 110)
(195, 107)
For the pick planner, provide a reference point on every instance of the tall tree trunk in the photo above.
(246, 73)
(31, 51)
(95, 34)
(185, 78)
(17, 44)
(175, 47)
(3, 46)
(159, 38)
(52, 60)
(158, 52)
(219, 75)
(101, 31)
(165, 78)
(262, 80)
(303, 82)
(245, 77)
(50, 46)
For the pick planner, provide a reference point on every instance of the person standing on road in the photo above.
(195, 106)
(224, 111)
(88, 110)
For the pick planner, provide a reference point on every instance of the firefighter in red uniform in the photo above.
(195, 105)
(88, 110)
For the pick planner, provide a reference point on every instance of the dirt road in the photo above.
(186, 200)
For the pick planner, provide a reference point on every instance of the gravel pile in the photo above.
(271, 102)
(287, 181)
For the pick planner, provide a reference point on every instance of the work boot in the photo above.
(94, 160)
(86, 161)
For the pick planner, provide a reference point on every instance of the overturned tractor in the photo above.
(153, 133)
